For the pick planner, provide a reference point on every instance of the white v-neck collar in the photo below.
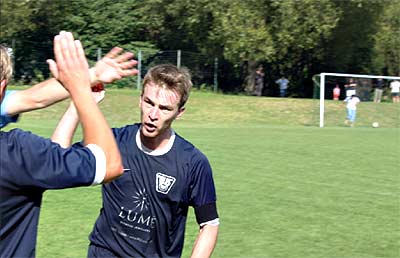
(157, 152)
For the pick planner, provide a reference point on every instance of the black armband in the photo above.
(206, 212)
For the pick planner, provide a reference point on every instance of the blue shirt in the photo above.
(144, 211)
(29, 165)
(283, 83)
(4, 117)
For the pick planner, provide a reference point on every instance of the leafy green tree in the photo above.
(14, 15)
(285, 35)
(387, 40)
(351, 45)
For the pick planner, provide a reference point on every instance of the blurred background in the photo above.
(221, 42)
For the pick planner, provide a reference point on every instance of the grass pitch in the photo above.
(285, 189)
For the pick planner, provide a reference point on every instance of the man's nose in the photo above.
(154, 113)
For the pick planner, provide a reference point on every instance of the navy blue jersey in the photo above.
(29, 165)
(144, 211)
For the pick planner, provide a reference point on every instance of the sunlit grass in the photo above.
(285, 188)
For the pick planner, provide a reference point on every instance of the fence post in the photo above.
(216, 74)
(13, 55)
(139, 68)
(98, 54)
(178, 59)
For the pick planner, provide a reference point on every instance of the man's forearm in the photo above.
(66, 127)
(38, 96)
(205, 242)
(41, 95)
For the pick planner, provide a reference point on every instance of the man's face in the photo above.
(159, 108)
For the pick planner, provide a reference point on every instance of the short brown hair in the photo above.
(5, 64)
(170, 77)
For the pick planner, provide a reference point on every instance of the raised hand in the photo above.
(114, 66)
(71, 67)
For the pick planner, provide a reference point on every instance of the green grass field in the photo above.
(286, 188)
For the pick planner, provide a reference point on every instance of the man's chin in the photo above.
(148, 132)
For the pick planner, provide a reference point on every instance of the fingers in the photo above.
(130, 72)
(113, 52)
(64, 47)
(58, 55)
(81, 53)
(98, 96)
(71, 67)
(69, 44)
(124, 57)
(127, 65)
(53, 67)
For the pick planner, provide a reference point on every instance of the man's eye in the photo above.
(166, 109)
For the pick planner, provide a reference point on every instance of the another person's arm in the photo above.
(72, 71)
(113, 66)
(66, 127)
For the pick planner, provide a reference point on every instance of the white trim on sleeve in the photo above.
(214, 222)
(100, 163)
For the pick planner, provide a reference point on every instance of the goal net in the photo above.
(331, 89)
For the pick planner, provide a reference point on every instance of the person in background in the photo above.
(395, 91)
(351, 108)
(336, 92)
(30, 164)
(259, 81)
(283, 85)
(144, 211)
(113, 66)
(379, 85)
(350, 88)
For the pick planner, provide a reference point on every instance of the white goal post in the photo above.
(322, 88)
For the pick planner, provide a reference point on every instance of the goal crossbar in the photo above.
(322, 88)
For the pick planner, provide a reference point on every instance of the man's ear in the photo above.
(3, 86)
(180, 112)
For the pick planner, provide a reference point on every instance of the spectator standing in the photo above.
(379, 85)
(395, 90)
(336, 92)
(351, 88)
(283, 86)
(259, 81)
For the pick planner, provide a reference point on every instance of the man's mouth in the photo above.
(150, 127)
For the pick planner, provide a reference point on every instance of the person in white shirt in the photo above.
(395, 90)
(351, 108)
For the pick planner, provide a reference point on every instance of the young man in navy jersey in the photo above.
(144, 211)
(29, 164)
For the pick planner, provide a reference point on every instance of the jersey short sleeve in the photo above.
(4, 117)
(202, 191)
(28, 160)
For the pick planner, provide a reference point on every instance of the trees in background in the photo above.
(386, 52)
(295, 38)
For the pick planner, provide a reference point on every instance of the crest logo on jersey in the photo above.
(164, 183)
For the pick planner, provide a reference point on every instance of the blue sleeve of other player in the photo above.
(31, 161)
(4, 117)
